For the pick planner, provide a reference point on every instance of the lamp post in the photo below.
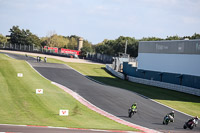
(125, 47)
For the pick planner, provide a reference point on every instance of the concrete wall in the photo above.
(115, 73)
(172, 78)
(180, 88)
(170, 86)
(173, 63)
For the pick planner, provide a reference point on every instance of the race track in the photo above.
(111, 99)
(32, 129)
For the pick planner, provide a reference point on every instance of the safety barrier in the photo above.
(117, 74)
(155, 83)
(175, 87)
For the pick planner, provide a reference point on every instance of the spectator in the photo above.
(45, 59)
(39, 58)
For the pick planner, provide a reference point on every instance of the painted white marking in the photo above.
(64, 112)
(19, 74)
(39, 91)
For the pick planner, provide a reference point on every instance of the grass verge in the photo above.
(20, 105)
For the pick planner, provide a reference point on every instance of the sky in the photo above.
(96, 20)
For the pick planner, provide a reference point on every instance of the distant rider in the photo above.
(171, 116)
(134, 107)
(194, 119)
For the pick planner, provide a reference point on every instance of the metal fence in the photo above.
(35, 49)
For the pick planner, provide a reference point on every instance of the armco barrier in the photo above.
(117, 74)
(175, 87)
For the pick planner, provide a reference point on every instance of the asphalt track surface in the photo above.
(31, 129)
(111, 99)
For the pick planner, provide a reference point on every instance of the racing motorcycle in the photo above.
(131, 112)
(190, 124)
(167, 119)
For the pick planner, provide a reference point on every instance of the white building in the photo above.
(177, 56)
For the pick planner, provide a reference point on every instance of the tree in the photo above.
(44, 41)
(195, 36)
(15, 36)
(24, 37)
(31, 39)
(3, 39)
(151, 39)
(73, 42)
(114, 47)
(99, 48)
(176, 37)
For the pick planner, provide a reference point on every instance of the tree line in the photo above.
(114, 47)
(109, 47)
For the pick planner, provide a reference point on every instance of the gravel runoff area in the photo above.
(65, 59)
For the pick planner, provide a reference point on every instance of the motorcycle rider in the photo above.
(171, 116)
(134, 107)
(195, 119)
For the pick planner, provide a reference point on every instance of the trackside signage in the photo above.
(64, 112)
(19, 74)
(39, 91)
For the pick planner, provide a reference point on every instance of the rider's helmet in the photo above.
(172, 112)
(196, 117)
(135, 104)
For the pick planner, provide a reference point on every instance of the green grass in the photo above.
(187, 103)
(20, 105)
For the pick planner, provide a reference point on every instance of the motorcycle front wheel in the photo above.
(184, 126)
